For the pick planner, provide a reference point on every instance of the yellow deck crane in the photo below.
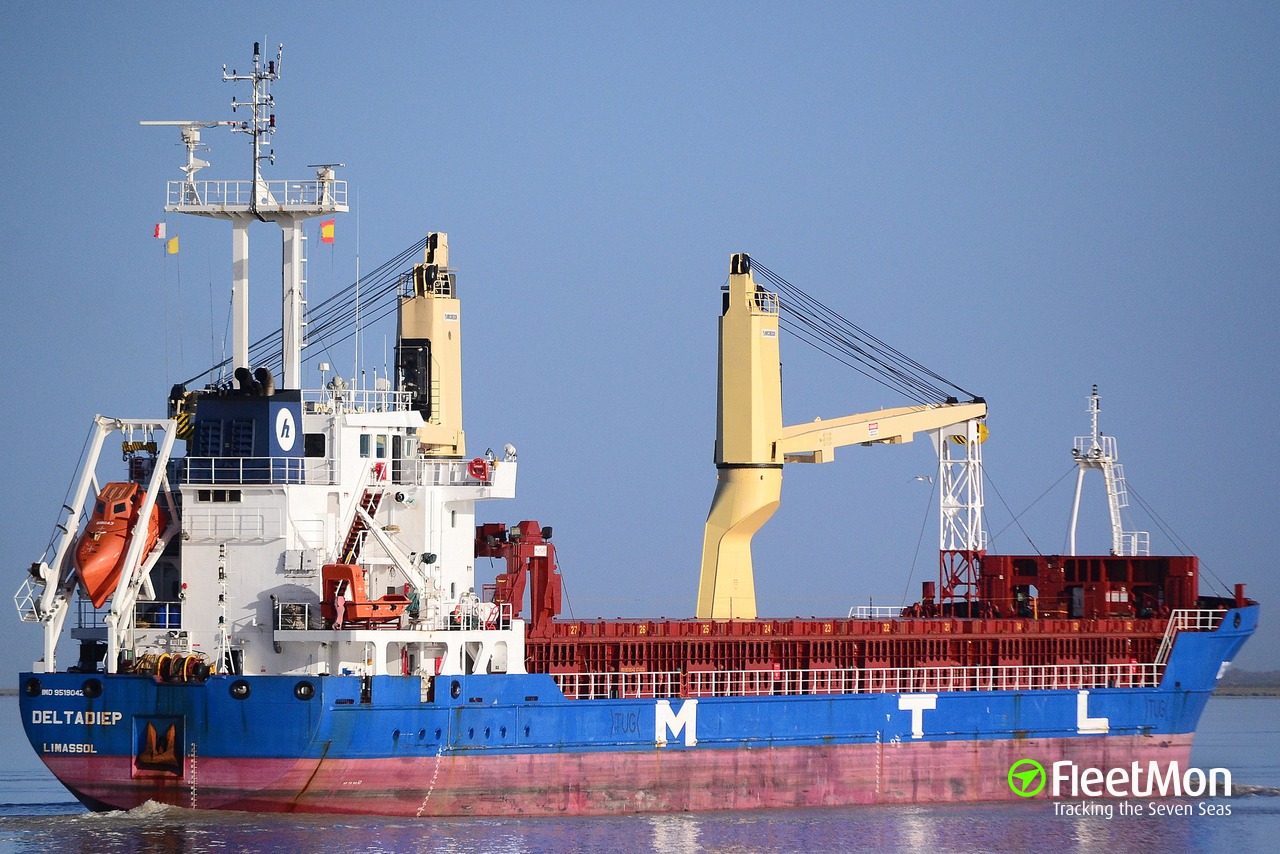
(429, 350)
(752, 445)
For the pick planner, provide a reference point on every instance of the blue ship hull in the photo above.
(503, 744)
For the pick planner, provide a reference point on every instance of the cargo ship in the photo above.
(282, 613)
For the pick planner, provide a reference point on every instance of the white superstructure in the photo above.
(310, 531)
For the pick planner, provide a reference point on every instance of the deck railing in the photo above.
(874, 680)
(875, 612)
(147, 614)
(232, 471)
(1186, 620)
(346, 399)
(482, 616)
(888, 680)
(158, 615)
(274, 195)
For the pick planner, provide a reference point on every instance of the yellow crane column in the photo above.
(752, 444)
(749, 420)
(429, 350)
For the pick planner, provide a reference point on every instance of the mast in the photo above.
(262, 124)
(962, 539)
(287, 203)
(1099, 452)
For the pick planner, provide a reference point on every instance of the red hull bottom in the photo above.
(609, 783)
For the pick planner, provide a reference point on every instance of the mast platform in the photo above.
(305, 198)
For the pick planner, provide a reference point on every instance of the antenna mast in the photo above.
(262, 126)
(1099, 452)
(286, 203)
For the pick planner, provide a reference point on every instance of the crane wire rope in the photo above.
(834, 335)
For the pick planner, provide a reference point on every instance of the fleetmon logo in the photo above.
(1026, 778)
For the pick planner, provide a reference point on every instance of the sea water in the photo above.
(1241, 734)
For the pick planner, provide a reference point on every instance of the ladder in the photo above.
(359, 531)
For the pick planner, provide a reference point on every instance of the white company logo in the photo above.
(1086, 725)
(666, 721)
(286, 431)
(918, 704)
(669, 725)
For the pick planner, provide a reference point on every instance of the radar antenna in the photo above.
(191, 139)
(325, 177)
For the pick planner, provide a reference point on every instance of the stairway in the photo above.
(351, 547)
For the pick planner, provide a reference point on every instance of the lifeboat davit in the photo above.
(102, 547)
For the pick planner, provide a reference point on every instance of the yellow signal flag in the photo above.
(171, 246)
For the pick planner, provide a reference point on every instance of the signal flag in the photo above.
(172, 246)
(326, 231)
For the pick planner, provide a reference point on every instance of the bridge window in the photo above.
(219, 496)
(313, 444)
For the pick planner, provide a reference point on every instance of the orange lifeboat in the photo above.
(102, 547)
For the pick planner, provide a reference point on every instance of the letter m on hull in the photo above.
(666, 721)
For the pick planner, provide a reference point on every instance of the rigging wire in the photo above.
(1008, 510)
(870, 368)
(1168, 531)
(894, 371)
(331, 321)
(924, 526)
(564, 588)
(1014, 518)
(836, 336)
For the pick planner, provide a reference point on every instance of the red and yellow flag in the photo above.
(326, 231)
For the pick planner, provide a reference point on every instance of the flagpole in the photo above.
(355, 375)
(165, 299)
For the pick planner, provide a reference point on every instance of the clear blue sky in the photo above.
(1030, 198)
